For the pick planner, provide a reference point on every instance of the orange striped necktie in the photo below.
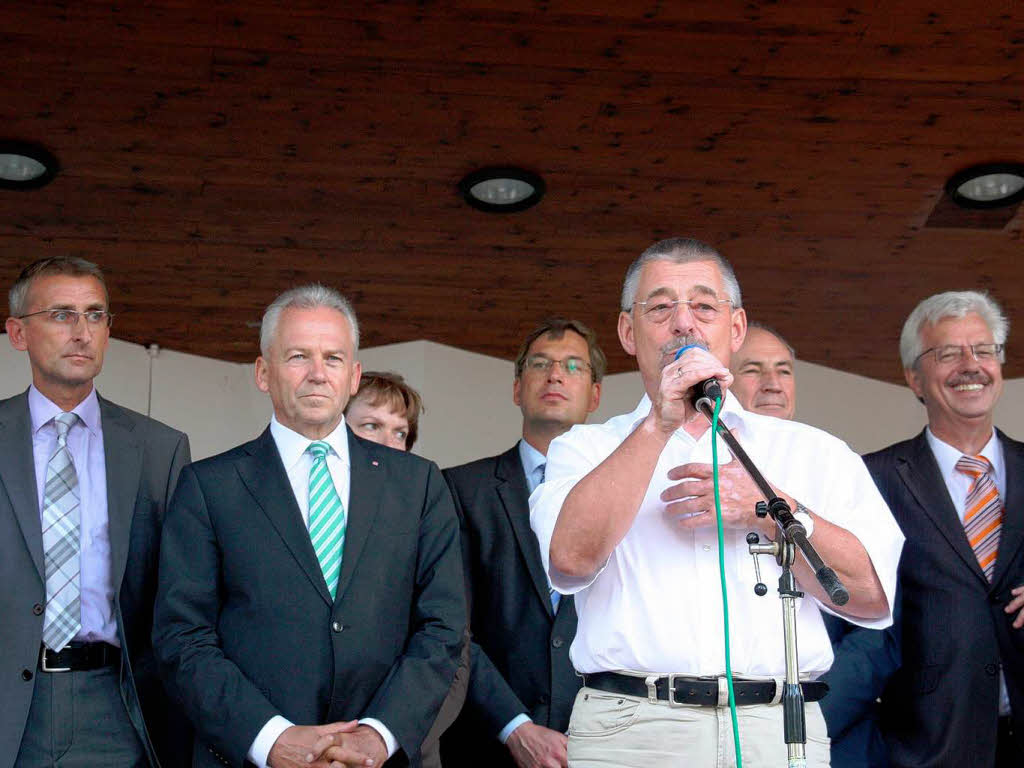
(983, 511)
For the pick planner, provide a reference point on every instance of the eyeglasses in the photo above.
(69, 317)
(954, 353)
(660, 310)
(572, 366)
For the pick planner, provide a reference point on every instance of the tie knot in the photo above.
(975, 466)
(319, 450)
(63, 423)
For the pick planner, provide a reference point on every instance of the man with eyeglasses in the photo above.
(956, 491)
(83, 488)
(522, 684)
(626, 522)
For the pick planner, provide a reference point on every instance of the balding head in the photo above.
(763, 368)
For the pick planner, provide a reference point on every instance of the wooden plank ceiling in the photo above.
(215, 152)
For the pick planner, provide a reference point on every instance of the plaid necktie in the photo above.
(326, 517)
(61, 542)
(983, 511)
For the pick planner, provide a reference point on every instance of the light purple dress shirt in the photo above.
(85, 442)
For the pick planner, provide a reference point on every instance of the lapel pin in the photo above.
(375, 463)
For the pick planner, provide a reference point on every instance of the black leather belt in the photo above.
(702, 691)
(77, 657)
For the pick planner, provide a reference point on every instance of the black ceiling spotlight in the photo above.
(992, 185)
(502, 189)
(24, 165)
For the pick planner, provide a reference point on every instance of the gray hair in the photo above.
(950, 304)
(773, 332)
(17, 297)
(680, 250)
(310, 296)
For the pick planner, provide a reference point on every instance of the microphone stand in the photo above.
(792, 536)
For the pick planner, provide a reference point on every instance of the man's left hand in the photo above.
(693, 502)
(1017, 604)
(363, 741)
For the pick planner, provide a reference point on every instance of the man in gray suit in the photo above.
(83, 488)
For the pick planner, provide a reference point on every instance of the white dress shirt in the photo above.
(656, 605)
(958, 484)
(85, 444)
(297, 463)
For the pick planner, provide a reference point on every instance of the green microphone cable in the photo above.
(721, 570)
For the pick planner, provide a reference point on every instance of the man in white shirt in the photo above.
(311, 603)
(626, 522)
(955, 490)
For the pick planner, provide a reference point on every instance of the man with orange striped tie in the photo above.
(957, 491)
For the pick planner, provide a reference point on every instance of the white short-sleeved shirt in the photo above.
(656, 605)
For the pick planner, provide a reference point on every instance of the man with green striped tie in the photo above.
(311, 603)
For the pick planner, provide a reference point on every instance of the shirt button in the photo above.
(558, 642)
(336, 626)
(707, 547)
(37, 609)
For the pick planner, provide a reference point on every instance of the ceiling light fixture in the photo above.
(24, 165)
(992, 185)
(503, 189)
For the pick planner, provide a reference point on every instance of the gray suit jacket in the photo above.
(143, 459)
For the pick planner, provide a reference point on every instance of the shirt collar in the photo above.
(947, 456)
(531, 457)
(42, 410)
(291, 445)
(732, 415)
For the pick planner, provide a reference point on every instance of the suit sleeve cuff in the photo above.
(265, 740)
(389, 738)
(514, 723)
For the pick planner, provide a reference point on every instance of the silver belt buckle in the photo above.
(672, 692)
(42, 662)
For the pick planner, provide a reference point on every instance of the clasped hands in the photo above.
(334, 745)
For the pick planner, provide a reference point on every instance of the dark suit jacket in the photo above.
(866, 659)
(520, 650)
(245, 628)
(941, 708)
(143, 459)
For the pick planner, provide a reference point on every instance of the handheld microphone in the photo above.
(708, 389)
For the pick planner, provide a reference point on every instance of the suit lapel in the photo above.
(122, 456)
(18, 474)
(923, 478)
(365, 492)
(515, 498)
(264, 475)
(1012, 536)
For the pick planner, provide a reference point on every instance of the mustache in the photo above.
(677, 343)
(969, 378)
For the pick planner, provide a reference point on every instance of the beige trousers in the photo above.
(610, 730)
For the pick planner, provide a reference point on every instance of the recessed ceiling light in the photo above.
(502, 189)
(988, 186)
(24, 165)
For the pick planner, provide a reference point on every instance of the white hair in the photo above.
(310, 296)
(680, 250)
(936, 308)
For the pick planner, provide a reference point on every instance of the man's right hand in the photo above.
(671, 407)
(301, 746)
(534, 746)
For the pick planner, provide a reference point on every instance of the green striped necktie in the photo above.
(326, 516)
